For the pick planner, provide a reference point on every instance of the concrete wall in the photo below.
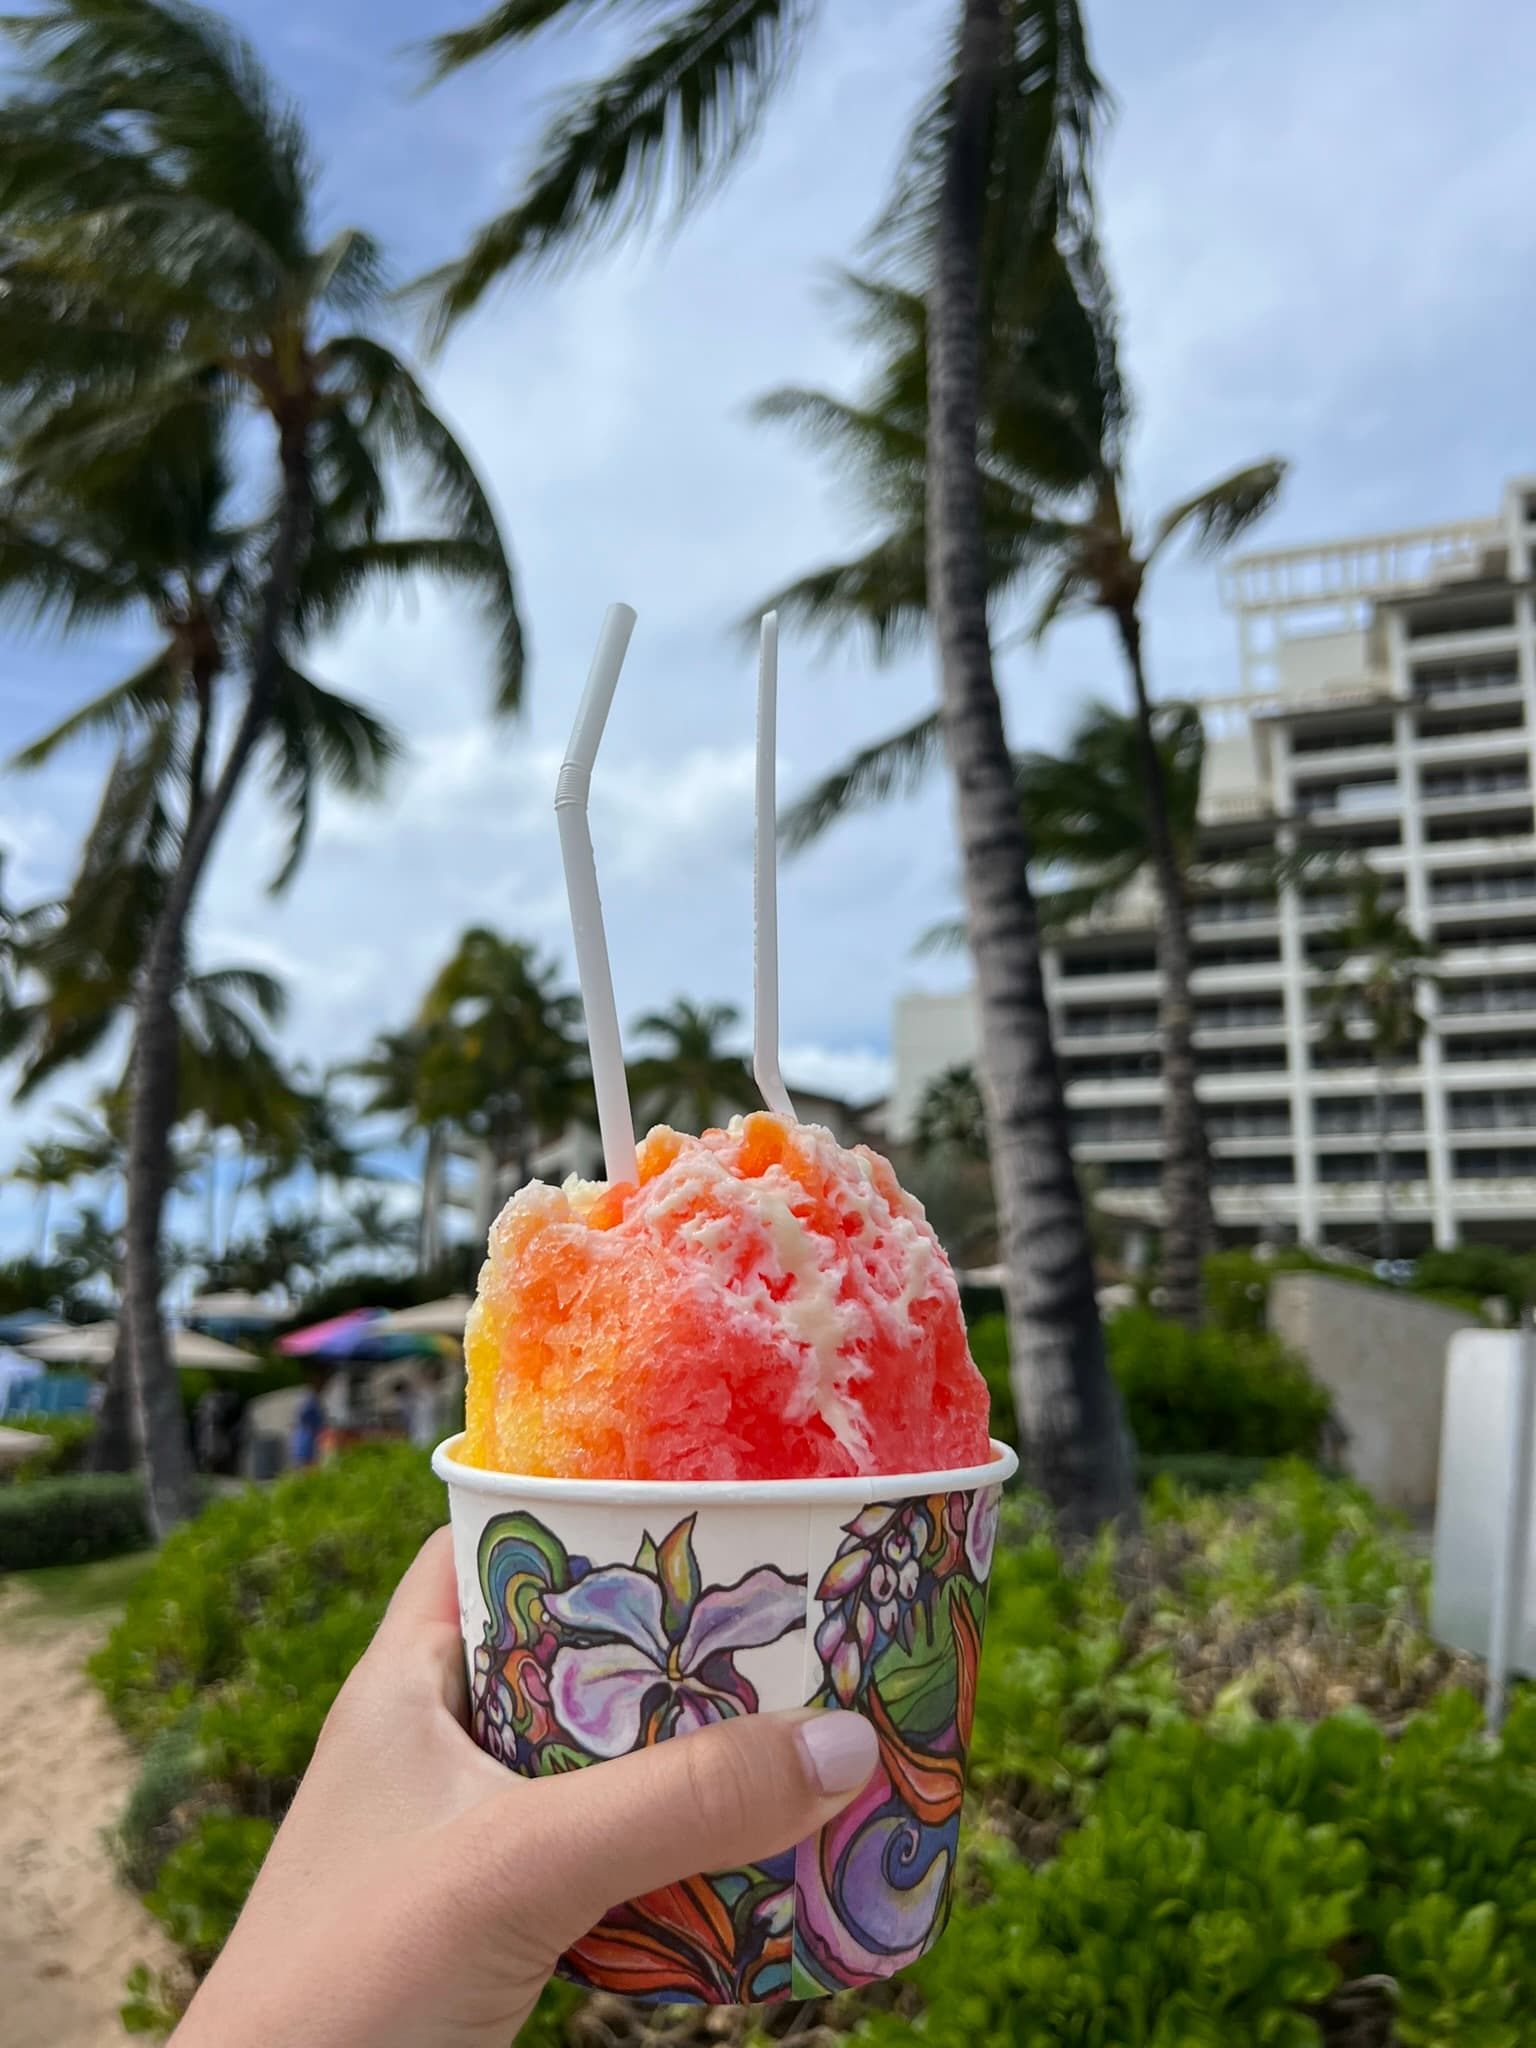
(1382, 1358)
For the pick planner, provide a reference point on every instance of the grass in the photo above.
(72, 1592)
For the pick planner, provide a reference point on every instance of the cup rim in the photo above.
(856, 1492)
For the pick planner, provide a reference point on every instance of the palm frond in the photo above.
(1223, 511)
(334, 578)
(319, 736)
(144, 697)
(894, 766)
(659, 132)
(1049, 101)
(399, 415)
(348, 273)
(348, 482)
(884, 592)
(949, 935)
(1065, 589)
(50, 580)
(263, 992)
(198, 88)
(511, 22)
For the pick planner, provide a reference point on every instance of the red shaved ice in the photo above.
(765, 1304)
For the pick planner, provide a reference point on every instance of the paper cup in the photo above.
(603, 1615)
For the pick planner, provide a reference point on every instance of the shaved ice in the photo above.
(765, 1304)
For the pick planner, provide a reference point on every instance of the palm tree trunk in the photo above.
(1386, 1234)
(426, 1229)
(1188, 1228)
(112, 1447)
(1075, 1446)
(159, 1422)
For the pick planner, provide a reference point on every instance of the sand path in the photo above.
(68, 1932)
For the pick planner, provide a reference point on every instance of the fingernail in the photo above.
(841, 1749)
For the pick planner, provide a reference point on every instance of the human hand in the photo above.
(418, 1893)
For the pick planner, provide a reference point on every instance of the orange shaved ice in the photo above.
(763, 1305)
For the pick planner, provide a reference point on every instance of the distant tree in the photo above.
(951, 1117)
(691, 1079)
(500, 1058)
(47, 1166)
(1380, 967)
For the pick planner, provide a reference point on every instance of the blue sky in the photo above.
(1318, 219)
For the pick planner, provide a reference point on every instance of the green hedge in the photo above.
(69, 1442)
(1228, 1393)
(71, 1521)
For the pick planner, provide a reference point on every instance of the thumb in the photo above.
(728, 1795)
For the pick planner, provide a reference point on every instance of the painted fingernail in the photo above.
(841, 1750)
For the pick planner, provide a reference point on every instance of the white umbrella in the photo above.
(236, 1308)
(96, 1344)
(443, 1318)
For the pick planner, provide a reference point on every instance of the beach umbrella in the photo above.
(337, 1337)
(236, 1308)
(26, 1325)
(443, 1318)
(96, 1344)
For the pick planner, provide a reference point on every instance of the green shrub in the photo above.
(989, 1347)
(270, 1596)
(68, 1443)
(1211, 1390)
(71, 1521)
(204, 1881)
(1229, 1393)
(1237, 1291)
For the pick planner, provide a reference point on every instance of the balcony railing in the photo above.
(1514, 887)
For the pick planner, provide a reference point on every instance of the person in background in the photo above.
(309, 1421)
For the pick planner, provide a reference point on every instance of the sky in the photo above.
(1318, 223)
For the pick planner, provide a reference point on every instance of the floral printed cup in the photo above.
(602, 1615)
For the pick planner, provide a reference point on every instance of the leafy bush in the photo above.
(68, 1443)
(256, 1611)
(1206, 1390)
(1475, 1273)
(1229, 1393)
(989, 1347)
(71, 1521)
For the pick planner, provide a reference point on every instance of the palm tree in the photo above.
(92, 1246)
(372, 1226)
(161, 264)
(1380, 964)
(397, 1065)
(691, 1077)
(951, 1118)
(1053, 427)
(997, 157)
(500, 1058)
(47, 1166)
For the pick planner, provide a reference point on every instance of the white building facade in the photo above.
(1387, 710)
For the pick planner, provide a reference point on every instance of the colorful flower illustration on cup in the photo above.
(903, 1604)
(580, 1663)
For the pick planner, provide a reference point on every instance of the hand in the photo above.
(418, 1894)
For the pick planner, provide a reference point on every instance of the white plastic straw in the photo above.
(593, 971)
(765, 880)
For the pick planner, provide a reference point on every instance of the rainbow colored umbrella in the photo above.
(354, 1336)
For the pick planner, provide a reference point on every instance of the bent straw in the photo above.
(572, 790)
(765, 881)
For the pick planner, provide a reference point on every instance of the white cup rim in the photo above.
(723, 1493)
